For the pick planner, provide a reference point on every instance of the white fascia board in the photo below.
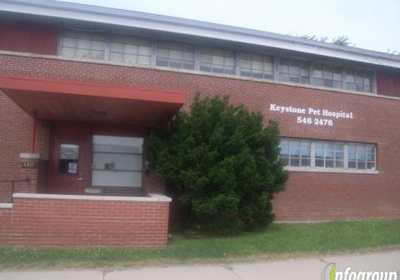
(103, 15)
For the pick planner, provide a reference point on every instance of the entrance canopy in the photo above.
(77, 101)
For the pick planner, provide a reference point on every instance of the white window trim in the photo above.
(331, 170)
(275, 58)
(345, 169)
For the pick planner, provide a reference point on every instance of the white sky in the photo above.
(369, 24)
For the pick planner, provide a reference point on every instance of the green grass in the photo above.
(277, 241)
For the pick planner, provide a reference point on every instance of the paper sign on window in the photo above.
(72, 168)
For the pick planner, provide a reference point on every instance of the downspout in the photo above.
(34, 132)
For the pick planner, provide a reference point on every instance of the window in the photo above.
(217, 61)
(362, 156)
(256, 66)
(130, 50)
(326, 75)
(175, 55)
(117, 161)
(294, 71)
(295, 152)
(69, 157)
(141, 51)
(83, 45)
(327, 154)
(358, 80)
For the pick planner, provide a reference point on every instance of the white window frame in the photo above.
(169, 60)
(345, 168)
(233, 68)
(113, 164)
(251, 71)
(217, 68)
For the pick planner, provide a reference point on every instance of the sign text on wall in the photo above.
(312, 116)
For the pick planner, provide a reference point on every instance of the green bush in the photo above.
(223, 163)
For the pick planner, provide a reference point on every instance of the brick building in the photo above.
(81, 87)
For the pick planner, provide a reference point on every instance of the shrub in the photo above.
(223, 162)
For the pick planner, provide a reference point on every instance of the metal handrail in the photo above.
(13, 181)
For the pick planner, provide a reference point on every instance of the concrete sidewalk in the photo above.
(300, 269)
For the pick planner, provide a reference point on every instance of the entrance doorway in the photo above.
(68, 166)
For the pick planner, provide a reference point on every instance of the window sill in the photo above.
(331, 170)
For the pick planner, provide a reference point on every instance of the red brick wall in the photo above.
(15, 138)
(28, 37)
(314, 196)
(388, 83)
(16, 129)
(42, 222)
(154, 184)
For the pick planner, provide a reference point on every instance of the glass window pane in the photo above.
(352, 164)
(361, 152)
(116, 179)
(284, 148)
(218, 60)
(84, 44)
(109, 161)
(144, 50)
(118, 57)
(339, 164)
(97, 55)
(117, 47)
(68, 151)
(329, 164)
(317, 73)
(117, 144)
(294, 161)
(117, 161)
(131, 49)
(81, 53)
(97, 45)
(70, 34)
(69, 156)
(294, 68)
(69, 52)
(256, 66)
(370, 165)
(69, 42)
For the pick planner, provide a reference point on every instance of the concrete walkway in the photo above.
(307, 269)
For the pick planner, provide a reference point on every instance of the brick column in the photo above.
(34, 167)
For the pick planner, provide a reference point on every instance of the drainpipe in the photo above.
(34, 132)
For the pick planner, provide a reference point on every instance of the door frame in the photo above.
(84, 153)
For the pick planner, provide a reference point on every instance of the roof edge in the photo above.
(113, 16)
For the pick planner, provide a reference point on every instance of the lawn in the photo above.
(277, 241)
